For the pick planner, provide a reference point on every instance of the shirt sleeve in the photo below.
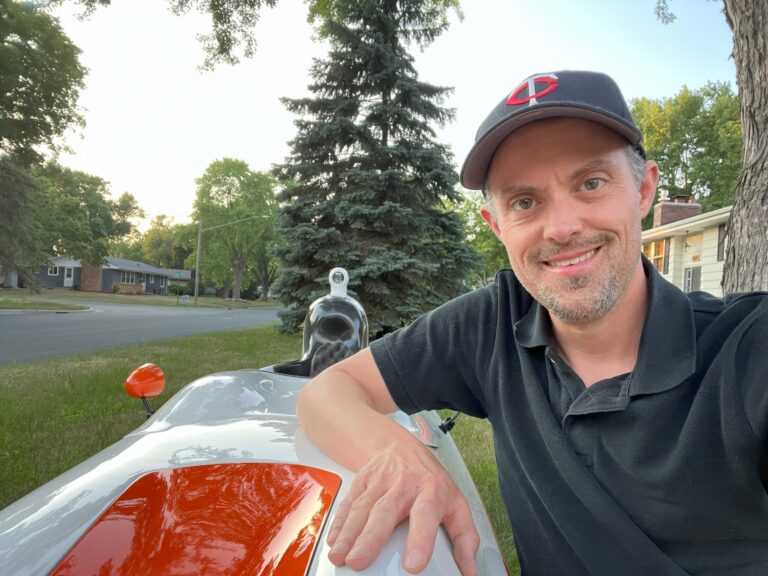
(440, 361)
(752, 363)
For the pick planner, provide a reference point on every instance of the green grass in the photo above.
(56, 413)
(35, 304)
(143, 299)
(475, 442)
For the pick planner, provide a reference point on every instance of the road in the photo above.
(28, 336)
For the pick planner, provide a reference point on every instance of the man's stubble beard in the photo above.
(614, 282)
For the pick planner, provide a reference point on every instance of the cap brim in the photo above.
(475, 168)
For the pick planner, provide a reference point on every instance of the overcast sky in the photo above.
(154, 122)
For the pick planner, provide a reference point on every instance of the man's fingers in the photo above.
(422, 530)
(461, 530)
(380, 520)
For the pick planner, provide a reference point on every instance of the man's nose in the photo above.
(562, 220)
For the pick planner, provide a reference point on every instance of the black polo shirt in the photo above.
(663, 471)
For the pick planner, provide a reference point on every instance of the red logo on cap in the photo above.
(529, 84)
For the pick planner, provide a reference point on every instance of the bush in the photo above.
(177, 290)
(115, 288)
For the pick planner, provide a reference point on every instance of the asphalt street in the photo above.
(28, 336)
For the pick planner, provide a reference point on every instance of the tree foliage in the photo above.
(233, 22)
(40, 80)
(695, 136)
(76, 214)
(237, 208)
(492, 256)
(21, 246)
(166, 244)
(366, 182)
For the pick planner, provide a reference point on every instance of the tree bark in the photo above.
(238, 271)
(746, 261)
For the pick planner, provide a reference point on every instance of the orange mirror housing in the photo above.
(147, 381)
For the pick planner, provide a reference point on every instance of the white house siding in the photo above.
(700, 233)
(712, 273)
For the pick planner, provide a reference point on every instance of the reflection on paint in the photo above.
(254, 518)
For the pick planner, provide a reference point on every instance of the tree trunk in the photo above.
(238, 271)
(746, 261)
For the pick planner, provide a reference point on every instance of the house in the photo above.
(178, 277)
(686, 246)
(115, 275)
(62, 272)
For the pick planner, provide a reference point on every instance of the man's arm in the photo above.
(397, 475)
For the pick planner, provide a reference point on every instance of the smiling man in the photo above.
(630, 420)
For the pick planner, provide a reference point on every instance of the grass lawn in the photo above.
(144, 299)
(23, 303)
(55, 413)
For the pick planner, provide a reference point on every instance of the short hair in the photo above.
(635, 159)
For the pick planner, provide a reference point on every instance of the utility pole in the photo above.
(197, 258)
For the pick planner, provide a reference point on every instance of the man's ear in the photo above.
(485, 212)
(648, 187)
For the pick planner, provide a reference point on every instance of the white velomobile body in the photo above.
(220, 480)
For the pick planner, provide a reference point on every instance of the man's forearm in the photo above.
(340, 417)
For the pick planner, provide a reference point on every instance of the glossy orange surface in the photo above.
(147, 381)
(254, 518)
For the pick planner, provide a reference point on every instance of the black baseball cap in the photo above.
(571, 93)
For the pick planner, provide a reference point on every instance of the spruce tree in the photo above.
(366, 181)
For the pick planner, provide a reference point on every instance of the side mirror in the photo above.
(147, 381)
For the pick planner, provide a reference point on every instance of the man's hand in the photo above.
(397, 484)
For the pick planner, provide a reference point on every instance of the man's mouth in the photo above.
(571, 261)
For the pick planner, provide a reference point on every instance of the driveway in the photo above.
(28, 336)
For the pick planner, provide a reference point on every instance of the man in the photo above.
(630, 420)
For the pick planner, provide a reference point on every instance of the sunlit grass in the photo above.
(475, 442)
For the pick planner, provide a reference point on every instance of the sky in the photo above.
(154, 121)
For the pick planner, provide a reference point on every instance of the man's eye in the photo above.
(592, 184)
(522, 204)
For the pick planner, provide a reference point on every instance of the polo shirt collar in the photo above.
(667, 354)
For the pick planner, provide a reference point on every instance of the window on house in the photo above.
(151, 278)
(658, 253)
(162, 281)
(692, 279)
(721, 243)
(53, 271)
(127, 277)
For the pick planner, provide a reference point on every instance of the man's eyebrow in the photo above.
(517, 189)
(588, 167)
(576, 174)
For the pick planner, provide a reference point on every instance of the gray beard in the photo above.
(601, 302)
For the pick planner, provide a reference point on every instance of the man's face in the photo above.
(568, 211)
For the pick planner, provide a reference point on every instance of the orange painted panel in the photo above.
(252, 518)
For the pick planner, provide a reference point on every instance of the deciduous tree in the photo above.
(76, 215)
(236, 206)
(695, 136)
(40, 78)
